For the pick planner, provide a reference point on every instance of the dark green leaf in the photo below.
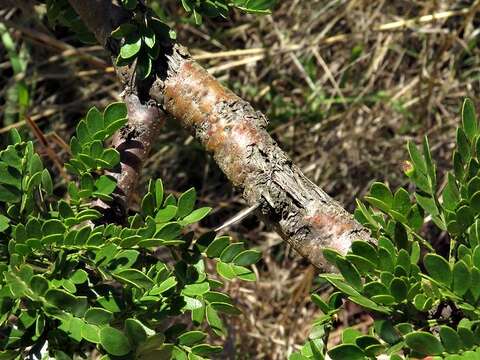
(346, 351)
(424, 343)
(135, 331)
(98, 316)
(186, 202)
(134, 277)
(399, 289)
(450, 339)
(469, 119)
(438, 268)
(247, 257)
(461, 278)
(191, 338)
(114, 341)
(231, 251)
(350, 273)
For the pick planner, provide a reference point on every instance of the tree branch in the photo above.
(228, 127)
(134, 142)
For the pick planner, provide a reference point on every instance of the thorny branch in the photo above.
(229, 128)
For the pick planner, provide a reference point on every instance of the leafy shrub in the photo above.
(71, 283)
(423, 303)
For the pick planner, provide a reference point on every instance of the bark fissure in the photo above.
(235, 134)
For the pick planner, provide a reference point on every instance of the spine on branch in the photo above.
(228, 127)
(134, 142)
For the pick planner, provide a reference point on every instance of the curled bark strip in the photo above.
(134, 142)
(228, 127)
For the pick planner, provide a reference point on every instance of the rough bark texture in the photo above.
(228, 127)
(134, 142)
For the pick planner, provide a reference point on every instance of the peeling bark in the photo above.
(134, 142)
(228, 127)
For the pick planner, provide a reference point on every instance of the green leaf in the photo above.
(94, 121)
(225, 270)
(83, 135)
(186, 202)
(427, 203)
(231, 251)
(169, 231)
(438, 268)
(243, 273)
(350, 273)
(217, 246)
(114, 112)
(39, 285)
(461, 278)
(469, 119)
(206, 349)
(463, 145)
(14, 136)
(90, 333)
(424, 343)
(214, 321)
(77, 305)
(191, 337)
(153, 348)
(36, 164)
(247, 257)
(9, 194)
(450, 194)
(114, 341)
(132, 45)
(381, 192)
(375, 288)
(105, 184)
(47, 183)
(386, 331)
(346, 351)
(225, 308)
(450, 339)
(10, 176)
(196, 215)
(135, 331)
(165, 285)
(4, 223)
(159, 193)
(134, 277)
(428, 161)
(399, 289)
(196, 289)
(166, 214)
(366, 250)
(476, 256)
(417, 159)
(349, 335)
(420, 301)
(401, 201)
(98, 316)
(144, 66)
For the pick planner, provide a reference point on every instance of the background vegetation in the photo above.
(345, 84)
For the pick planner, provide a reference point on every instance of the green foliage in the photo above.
(70, 282)
(59, 12)
(423, 302)
(144, 35)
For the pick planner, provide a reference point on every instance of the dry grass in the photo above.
(345, 83)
